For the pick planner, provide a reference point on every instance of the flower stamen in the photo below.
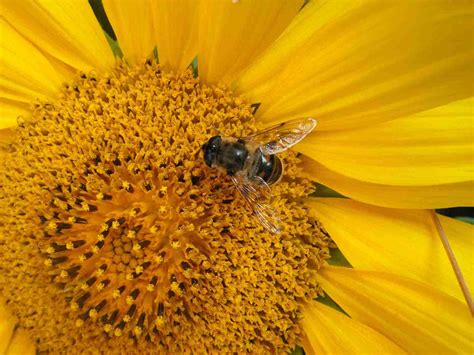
(140, 237)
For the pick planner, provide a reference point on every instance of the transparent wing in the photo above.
(258, 195)
(282, 136)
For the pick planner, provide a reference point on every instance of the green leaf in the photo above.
(466, 219)
(298, 351)
(194, 67)
(114, 46)
(338, 259)
(324, 191)
(328, 301)
(101, 16)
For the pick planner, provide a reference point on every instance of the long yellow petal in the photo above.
(233, 33)
(21, 344)
(13, 340)
(331, 332)
(351, 63)
(435, 196)
(415, 316)
(7, 326)
(17, 92)
(66, 30)
(132, 22)
(27, 75)
(403, 242)
(11, 111)
(176, 30)
(24, 66)
(434, 147)
(7, 135)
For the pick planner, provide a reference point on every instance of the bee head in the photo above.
(210, 149)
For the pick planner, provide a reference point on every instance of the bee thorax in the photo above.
(232, 156)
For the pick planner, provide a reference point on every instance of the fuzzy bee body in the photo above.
(233, 155)
(236, 155)
(253, 165)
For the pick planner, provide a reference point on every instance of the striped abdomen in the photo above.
(269, 168)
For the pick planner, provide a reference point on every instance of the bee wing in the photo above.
(258, 195)
(284, 135)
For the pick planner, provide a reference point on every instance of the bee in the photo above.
(253, 165)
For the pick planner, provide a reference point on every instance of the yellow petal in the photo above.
(27, 75)
(7, 326)
(21, 344)
(416, 317)
(25, 67)
(435, 196)
(66, 30)
(328, 331)
(7, 135)
(176, 32)
(132, 22)
(403, 242)
(233, 33)
(434, 147)
(11, 111)
(351, 63)
(17, 92)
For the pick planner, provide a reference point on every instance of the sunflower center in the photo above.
(107, 195)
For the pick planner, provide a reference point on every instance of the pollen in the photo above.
(117, 226)
(159, 321)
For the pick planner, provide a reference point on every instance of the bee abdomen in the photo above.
(270, 169)
(277, 171)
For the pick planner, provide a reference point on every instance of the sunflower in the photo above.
(116, 237)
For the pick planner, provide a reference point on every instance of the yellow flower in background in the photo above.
(115, 237)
